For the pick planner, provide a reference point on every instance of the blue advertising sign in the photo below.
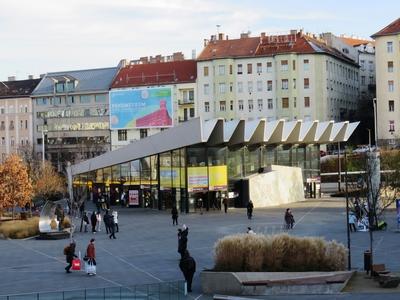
(140, 108)
(398, 210)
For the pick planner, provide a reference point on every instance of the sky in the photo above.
(43, 36)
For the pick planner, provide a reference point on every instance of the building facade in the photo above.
(294, 76)
(16, 116)
(148, 97)
(387, 47)
(71, 115)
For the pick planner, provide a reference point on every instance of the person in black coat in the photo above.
(93, 221)
(111, 227)
(174, 213)
(289, 219)
(188, 267)
(106, 220)
(85, 220)
(182, 240)
(250, 209)
(69, 256)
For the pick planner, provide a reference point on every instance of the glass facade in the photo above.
(194, 178)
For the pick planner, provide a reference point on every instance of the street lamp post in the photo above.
(43, 145)
(375, 122)
(347, 211)
(369, 139)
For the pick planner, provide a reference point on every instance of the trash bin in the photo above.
(367, 261)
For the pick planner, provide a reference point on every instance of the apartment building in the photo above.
(149, 96)
(293, 76)
(16, 115)
(387, 55)
(71, 113)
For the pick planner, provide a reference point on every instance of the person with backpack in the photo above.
(174, 213)
(69, 252)
(187, 265)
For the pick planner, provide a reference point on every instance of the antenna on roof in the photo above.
(218, 26)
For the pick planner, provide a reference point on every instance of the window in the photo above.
(294, 102)
(240, 69)
(285, 102)
(122, 135)
(3, 140)
(362, 80)
(306, 101)
(60, 87)
(206, 106)
(306, 83)
(230, 69)
(191, 112)
(143, 133)
(100, 98)
(259, 86)
(205, 71)
(306, 65)
(222, 106)
(260, 104)
(85, 99)
(284, 65)
(371, 66)
(11, 125)
(206, 89)
(221, 70)
(294, 83)
(231, 87)
(26, 124)
(222, 88)
(41, 101)
(285, 84)
(249, 68)
(251, 105)
(294, 65)
(240, 102)
(250, 86)
(259, 68)
(231, 105)
(26, 108)
(21, 124)
(269, 67)
(362, 64)
(269, 85)
(270, 104)
(391, 105)
(371, 80)
(391, 85)
(2, 111)
(389, 46)
(391, 126)
(390, 66)
(70, 100)
(240, 87)
(2, 125)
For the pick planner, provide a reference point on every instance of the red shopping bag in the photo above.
(76, 264)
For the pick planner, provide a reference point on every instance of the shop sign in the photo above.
(133, 197)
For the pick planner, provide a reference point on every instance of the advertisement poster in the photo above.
(218, 178)
(140, 108)
(398, 211)
(133, 197)
(197, 179)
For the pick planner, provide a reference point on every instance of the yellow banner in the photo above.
(197, 179)
(218, 178)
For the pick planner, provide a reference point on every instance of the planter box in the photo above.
(273, 283)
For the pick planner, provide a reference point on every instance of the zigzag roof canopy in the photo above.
(217, 132)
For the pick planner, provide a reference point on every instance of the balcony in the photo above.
(186, 102)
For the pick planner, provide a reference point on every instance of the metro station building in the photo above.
(198, 163)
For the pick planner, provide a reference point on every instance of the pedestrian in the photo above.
(188, 267)
(225, 202)
(82, 208)
(115, 218)
(93, 221)
(200, 204)
(69, 253)
(174, 213)
(59, 212)
(106, 220)
(352, 222)
(250, 231)
(91, 258)
(123, 199)
(289, 219)
(85, 220)
(99, 219)
(111, 227)
(182, 240)
(250, 207)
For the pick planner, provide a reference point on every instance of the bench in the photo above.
(379, 269)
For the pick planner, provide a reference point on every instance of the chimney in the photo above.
(244, 35)
(11, 78)
(220, 36)
(178, 56)
(193, 53)
(262, 35)
(293, 31)
(213, 38)
(123, 63)
(30, 76)
(226, 37)
(205, 42)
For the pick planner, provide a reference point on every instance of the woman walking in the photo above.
(91, 258)
(69, 252)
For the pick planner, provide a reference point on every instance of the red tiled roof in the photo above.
(356, 42)
(392, 28)
(156, 74)
(229, 48)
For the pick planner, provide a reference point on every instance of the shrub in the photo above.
(19, 229)
(278, 253)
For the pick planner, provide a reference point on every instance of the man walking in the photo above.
(225, 202)
(69, 253)
(188, 267)
(174, 213)
(250, 209)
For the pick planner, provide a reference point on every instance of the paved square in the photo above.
(145, 250)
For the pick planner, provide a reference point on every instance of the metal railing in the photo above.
(155, 291)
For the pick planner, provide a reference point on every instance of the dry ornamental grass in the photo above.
(19, 229)
(278, 253)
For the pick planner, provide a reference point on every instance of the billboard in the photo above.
(141, 108)
(218, 178)
(197, 179)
